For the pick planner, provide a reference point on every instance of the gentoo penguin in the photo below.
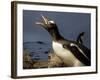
(80, 38)
(70, 52)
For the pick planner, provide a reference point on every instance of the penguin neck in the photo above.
(55, 34)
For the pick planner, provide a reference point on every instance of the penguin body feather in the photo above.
(66, 55)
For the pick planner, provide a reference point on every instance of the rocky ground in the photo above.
(53, 61)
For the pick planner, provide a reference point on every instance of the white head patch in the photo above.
(52, 22)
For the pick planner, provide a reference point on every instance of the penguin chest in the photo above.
(66, 55)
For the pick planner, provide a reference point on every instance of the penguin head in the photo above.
(46, 23)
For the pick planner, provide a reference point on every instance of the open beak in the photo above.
(44, 22)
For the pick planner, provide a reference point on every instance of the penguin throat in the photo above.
(55, 34)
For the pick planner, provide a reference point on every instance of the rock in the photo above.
(46, 52)
(54, 61)
(39, 42)
(31, 54)
(40, 64)
(27, 61)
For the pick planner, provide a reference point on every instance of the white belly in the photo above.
(67, 57)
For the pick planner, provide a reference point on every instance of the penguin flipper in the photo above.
(79, 38)
(78, 53)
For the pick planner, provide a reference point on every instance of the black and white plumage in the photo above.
(80, 52)
(72, 53)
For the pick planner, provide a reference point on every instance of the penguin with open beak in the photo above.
(70, 52)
